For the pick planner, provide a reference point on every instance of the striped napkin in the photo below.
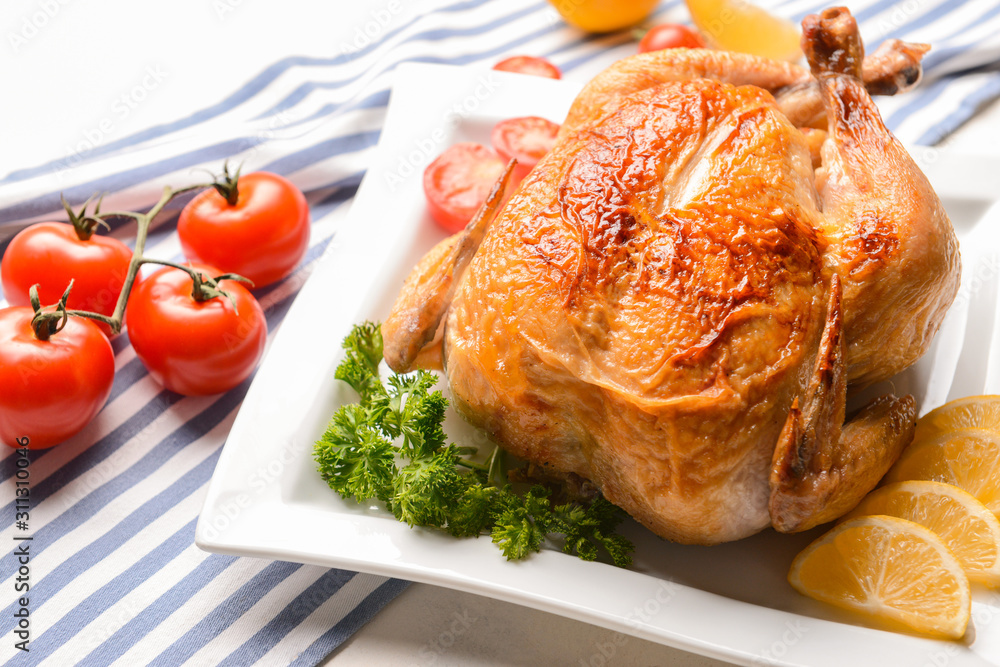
(115, 577)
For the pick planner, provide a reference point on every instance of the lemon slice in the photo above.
(965, 413)
(963, 523)
(737, 25)
(889, 569)
(968, 459)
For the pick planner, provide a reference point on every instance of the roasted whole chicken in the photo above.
(673, 303)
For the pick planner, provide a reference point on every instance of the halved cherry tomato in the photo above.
(526, 139)
(670, 36)
(51, 254)
(51, 388)
(529, 65)
(263, 236)
(457, 183)
(191, 347)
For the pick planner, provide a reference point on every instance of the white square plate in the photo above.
(729, 601)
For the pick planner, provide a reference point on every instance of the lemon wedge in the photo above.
(890, 569)
(965, 413)
(968, 459)
(963, 523)
(737, 25)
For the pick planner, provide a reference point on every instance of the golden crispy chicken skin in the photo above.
(673, 302)
(890, 238)
(892, 69)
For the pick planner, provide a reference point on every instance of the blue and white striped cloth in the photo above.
(115, 575)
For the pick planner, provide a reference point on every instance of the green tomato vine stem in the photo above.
(203, 287)
(50, 320)
(227, 185)
(84, 225)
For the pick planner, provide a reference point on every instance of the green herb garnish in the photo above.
(391, 446)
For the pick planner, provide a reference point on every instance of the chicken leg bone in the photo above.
(890, 239)
(894, 68)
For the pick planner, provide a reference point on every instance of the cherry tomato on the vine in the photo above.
(263, 236)
(195, 347)
(670, 36)
(457, 183)
(529, 65)
(51, 254)
(50, 389)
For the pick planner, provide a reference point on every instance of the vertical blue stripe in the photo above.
(95, 604)
(161, 608)
(926, 19)
(254, 648)
(126, 376)
(324, 150)
(350, 624)
(921, 100)
(100, 451)
(105, 545)
(46, 203)
(225, 614)
(608, 42)
(431, 36)
(247, 92)
(9, 469)
(988, 91)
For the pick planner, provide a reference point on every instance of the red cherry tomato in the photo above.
(51, 388)
(190, 347)
(51, 254)
(670, 36)
(526, 139)
(529, 65)
(262, 237)
(458, 181)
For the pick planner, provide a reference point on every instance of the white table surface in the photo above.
(69, 74)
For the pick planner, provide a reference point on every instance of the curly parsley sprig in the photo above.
(391, 446)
